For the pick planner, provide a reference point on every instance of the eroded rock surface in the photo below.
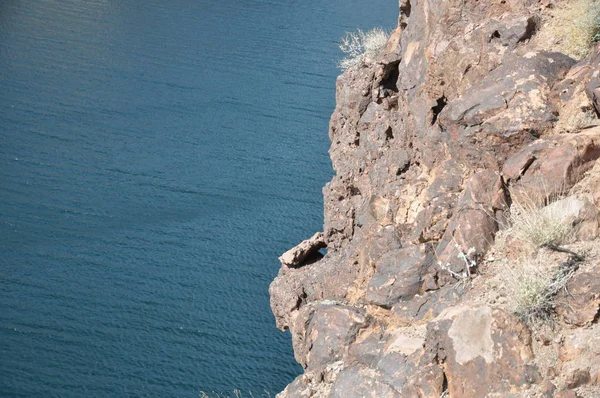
(462, 114)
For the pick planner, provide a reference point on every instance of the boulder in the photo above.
(295, 287)
(580, 356)
(579, 303)
(324, 331)
(579, 212)
(484, 351)
(300, 254)
(398, 275)
(360, 382)
(509, 107)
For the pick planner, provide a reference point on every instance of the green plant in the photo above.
(361, 46)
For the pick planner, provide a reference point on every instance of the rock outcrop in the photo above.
(464, 113)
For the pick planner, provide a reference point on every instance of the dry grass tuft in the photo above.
(531, 287)
(574, 26)
(361, 46)
(536, 226)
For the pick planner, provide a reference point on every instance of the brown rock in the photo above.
(428, 382)
(295, 287)
(580, 303)
(591, 78)
(501, 112)
(578, 378)
(324, 331)
(425, 307)
(566, 394)
(298, 255)
(398, 275)
(547, 168)
(548, 389)
(367, 349)
(474, 225)
(580, 356)
(360, 382)
(418, 138)
(484, 351)
(579, 212)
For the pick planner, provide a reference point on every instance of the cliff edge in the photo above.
(467, 120)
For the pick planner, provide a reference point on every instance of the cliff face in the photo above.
(465, 112)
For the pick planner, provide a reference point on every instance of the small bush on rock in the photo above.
(575, 25)
(361, 46)
(536, 226)
(531, 287)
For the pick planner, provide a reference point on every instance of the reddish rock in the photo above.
(295, 287)
(474, 225)
(580, 356)
(398, 275)
(566, 394)
(360, 382)
(323, 332)
(579, 304)
(579, 212)
(509, 107)
(548, 389)
(548, 168)
(484, 351)
(302, 253)
(425, 307)
(578, 378)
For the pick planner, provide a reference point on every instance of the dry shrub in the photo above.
(361, 46)
(573, 27)
(536, 225)
(531, 287)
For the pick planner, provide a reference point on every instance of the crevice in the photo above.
(311, 258)
(530, 30)
(403, 169)
(495, 35)
(526, 166)
(389, 134)
(301, 300)
(441, 103)
(353, 191)
(405, 8)
(535, 134)
(389, 82)
(444, 380)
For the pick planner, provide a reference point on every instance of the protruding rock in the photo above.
(298, 255)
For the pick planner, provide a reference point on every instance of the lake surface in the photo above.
(155, 159)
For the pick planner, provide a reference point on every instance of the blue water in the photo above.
(155, 159)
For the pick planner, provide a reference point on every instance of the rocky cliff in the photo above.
(467, 111)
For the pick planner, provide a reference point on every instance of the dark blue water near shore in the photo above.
(155, 159)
